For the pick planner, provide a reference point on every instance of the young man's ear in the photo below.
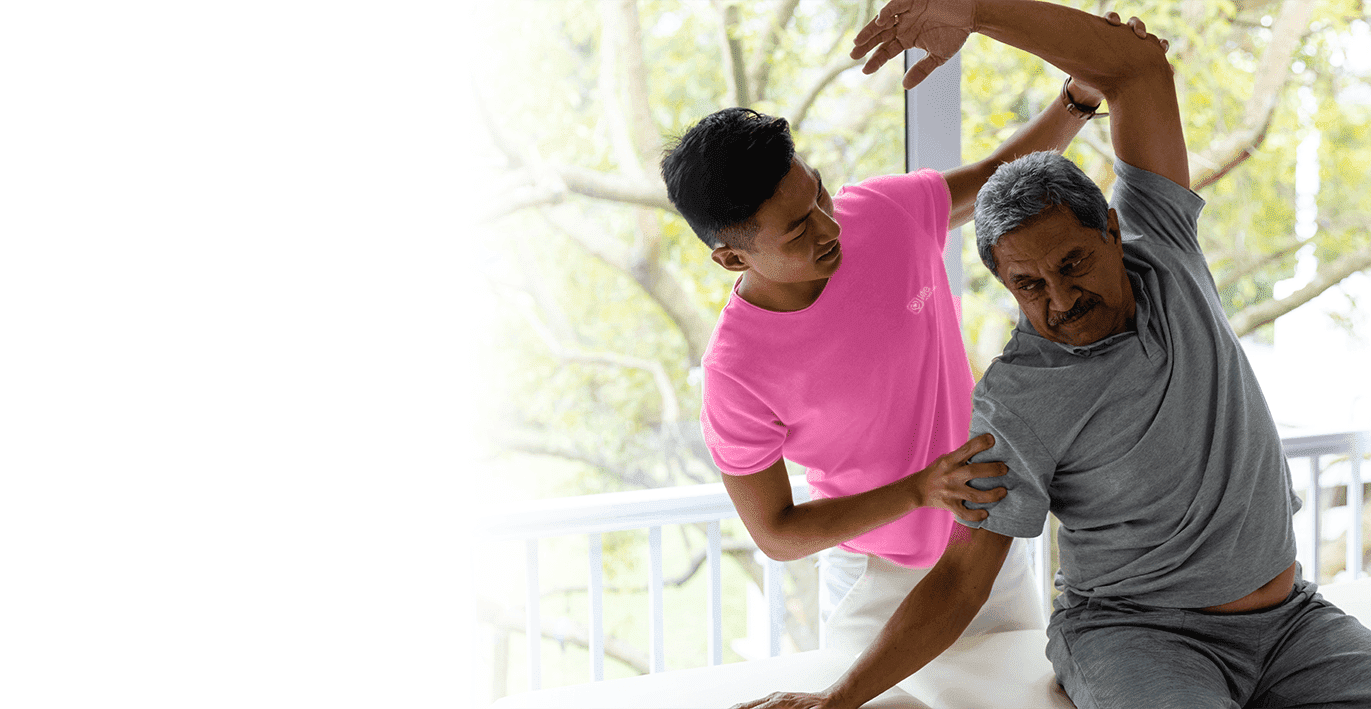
(729, 258)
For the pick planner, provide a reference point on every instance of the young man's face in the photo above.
(796, 240)
(1070, 283)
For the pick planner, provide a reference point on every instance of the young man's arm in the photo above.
(1053, 129)
(929, 620)
(786, 531)
(1145, 122)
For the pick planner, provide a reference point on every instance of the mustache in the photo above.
(1082, 307)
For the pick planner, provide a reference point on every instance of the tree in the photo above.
(610, 299)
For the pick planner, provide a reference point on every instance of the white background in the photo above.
(233, 313)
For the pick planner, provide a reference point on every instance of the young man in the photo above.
(840, 349)
(1124, 404)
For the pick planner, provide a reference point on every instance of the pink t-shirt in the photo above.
(868, 384)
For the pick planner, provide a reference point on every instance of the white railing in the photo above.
(594, 515)
(1313, 479)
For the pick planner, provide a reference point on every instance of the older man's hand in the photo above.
(787, 700)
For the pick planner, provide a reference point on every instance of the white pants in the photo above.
(858, 594)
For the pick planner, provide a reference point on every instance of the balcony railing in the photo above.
(594, 515)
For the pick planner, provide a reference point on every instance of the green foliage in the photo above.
(553, 101)
(556, 102)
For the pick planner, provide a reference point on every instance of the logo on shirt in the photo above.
(917, 305)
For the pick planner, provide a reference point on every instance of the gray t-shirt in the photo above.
(1154, 448)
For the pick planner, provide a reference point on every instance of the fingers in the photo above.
(869, 36)
(886, 17)
(919, 72)
(981, 470)
(966, 493)
(970, 515)
(1139, 28)
(980, 443)
(978, 497)
(879, 38)
(866, 39)
(888, 50)
(1136, 24)
(987, 497)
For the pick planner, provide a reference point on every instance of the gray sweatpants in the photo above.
(1302, 653)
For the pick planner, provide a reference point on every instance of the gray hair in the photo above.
(1023, 189)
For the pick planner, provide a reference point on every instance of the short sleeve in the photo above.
(742, 433)
(1023, 511)
(1154, 208)
(923, 195)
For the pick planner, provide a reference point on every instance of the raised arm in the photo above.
(1053, 129)
(786, 531)
(929, 620)
(1134, 77)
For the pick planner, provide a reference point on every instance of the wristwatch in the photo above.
(1082, 111)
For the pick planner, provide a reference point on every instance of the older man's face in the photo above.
(1069, 281)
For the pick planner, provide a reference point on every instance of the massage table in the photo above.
(994, 670)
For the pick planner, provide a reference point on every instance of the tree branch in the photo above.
(760, 74)
(1329, 275)
(666, 389)
(654, 278)
(637, 99)
(1249, 262)
(623, 87)
(1249, 143)
(513, 621)
(1289, 29)
(607, 249)
(731, 49)
(798, 113)
(557, 179)
(515, 199)
(615, 188)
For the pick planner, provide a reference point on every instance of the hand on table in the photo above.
(786, 700)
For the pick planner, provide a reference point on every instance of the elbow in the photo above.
(780, 538)
(778, 550)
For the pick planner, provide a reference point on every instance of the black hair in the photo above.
(720, 172)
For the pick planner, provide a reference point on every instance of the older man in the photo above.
(1124, 405)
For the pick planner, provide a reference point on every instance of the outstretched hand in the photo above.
(939, 27)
